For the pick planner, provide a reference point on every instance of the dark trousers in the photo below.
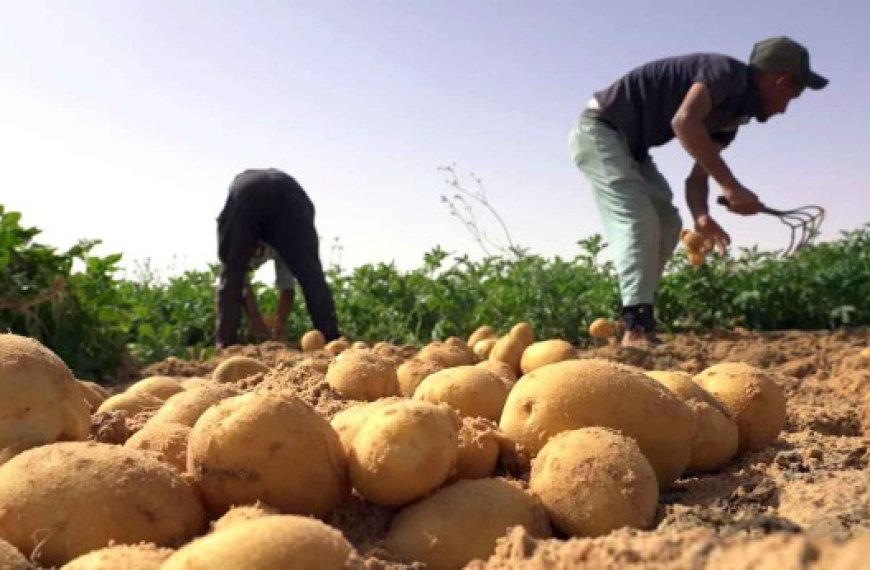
(269, 206)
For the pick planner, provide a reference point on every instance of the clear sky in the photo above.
(126, 120)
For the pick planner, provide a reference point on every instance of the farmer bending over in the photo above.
(701, 99)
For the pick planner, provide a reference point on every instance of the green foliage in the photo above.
(78, 306)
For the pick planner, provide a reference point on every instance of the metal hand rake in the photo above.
(804, 223)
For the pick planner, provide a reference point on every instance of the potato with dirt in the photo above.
(478, 450)
(595, 392)
(312, 341)
(122, 557)
(62, 500)
(362, 375)
(348, 422)
(592, 481)
(471, 391)
(271, 447)
(462, 522)
(753, 398)
(404, 452)
(40, 400)
(237, 368)
(276, 542)
(450, 353)
(241, 514)
(411, 372)
(167, 440)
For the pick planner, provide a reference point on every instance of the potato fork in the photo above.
(804, 223)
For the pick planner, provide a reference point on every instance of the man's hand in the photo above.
(742, 200)
(716, 236)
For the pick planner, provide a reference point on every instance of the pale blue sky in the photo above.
(126, 120)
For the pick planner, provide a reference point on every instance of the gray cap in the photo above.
(784, 55)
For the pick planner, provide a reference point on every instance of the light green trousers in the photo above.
(641, 224)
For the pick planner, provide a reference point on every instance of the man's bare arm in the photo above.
(697, 196)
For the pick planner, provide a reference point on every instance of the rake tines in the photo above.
(805, 223)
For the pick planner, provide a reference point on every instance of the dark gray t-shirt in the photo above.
(642, 103)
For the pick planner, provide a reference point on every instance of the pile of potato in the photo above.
(461, 441)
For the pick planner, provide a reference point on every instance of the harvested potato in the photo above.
(481, 333)
(754, 399)
(462, 522)
(277, 542)
(40, 400)
(267, 446)
(186, 407)
(509, 350)
(237, 368)
(241, 514)
(11, 559)
(312, 341)
(471, 391)
(594, 480)
(477, 453)
(501, 369)
(602, 329)
(362, 375)
(167, 440)
(162, 387)
(131, 403)
(191, 383)
(101, 390)
(122, 557)
(448, 355)
(91, 396)
(404, 452)
(483, 348)
(65, 499)
(546, 352)
(715, 442)
(694, 241)
(595, 392)
(524, 333)
(348, 422)
(337, 346)
(359, 345)
(411, 372)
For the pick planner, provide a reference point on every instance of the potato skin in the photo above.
(594, 392)
(592, 481)
(754, 399)
(362, 375)
(312, 341)
(546, 352)
(411, 372)
(186, 407)
(478, 450)
(448, 354)
(463, 521)
(158, 386)
(40, 400)
(11, 559)
(271, 447)
(348, 422)
(471, 391)
(483, 348)
(122, 557)
(481, 333)
(237, 368)
(66, 499)
(167, 440)
(131, 403)
(273, 542)
(404, 452)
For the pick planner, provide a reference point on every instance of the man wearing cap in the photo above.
(701, 99)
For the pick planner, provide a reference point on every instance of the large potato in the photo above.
(754, 399)
(167, 440)
(158, 386)
(594, 480)
(277, 542)
(65, 499)
(348, 422)
(11, 559)
(471, 391)
(362, 375)
(404, 452)
(40, 400)
(478, 449)
(237, 368)
(546, 352)
(462, 522)
(121, 557)
(186, 407)
(271, 447)
(411, 372)
(595, 392)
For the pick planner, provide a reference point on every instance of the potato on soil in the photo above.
(162, 387)
(196, 382)
(481, 333)
(754, 399)
(186, 407)
(595, 392)
(312, 341)
(360, 345)
(483, 348)
(131, 403)
(11, 559)
(523, 332)
(277, 542)
(102, 391)
(91, 396)
(243, 513)
(40, 400)
(167, 440)
(715, 442)
(462, 522)
(478, 450)
(122, 557)
(404, 452)
(348, 422)
(602, 329)
(267, 446)
(447, 354)
(237, 368)
(65, 499)
(501, 369)
(411, 372)
(471, 391)
(337, 346)
(594, 480)
(362, 375)
(546, 352)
